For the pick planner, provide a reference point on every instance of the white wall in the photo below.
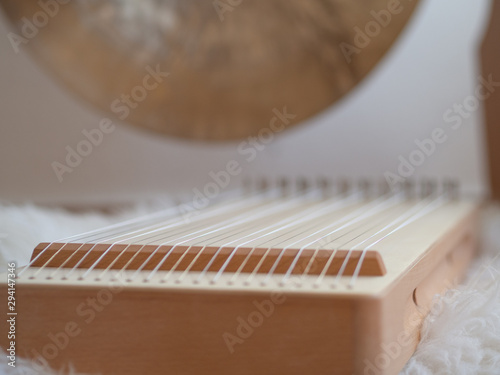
(432, 67)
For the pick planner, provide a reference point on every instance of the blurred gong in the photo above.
(229, 62)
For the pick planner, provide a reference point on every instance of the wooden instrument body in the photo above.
(114, 326)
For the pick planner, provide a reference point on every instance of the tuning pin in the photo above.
(451, 188)
(428, 187)
(302, 184)
(284, 185)
(178, 201)
(263, 184)
(409, 188)
(343, 186)
(365, 187)
(324, 185)
(247, 185)
(383, 187)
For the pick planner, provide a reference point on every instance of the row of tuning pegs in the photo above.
(369, 187)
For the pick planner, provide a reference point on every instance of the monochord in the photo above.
(345, 270)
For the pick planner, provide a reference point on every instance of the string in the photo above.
(159, 226)
(357, 216)
(95, 240)
(290, 222)
(162, 237)
(416, 208)
(86, 234)
(287, 201)
(351, 249)
(383, 206)
(249, 220)
(100, 230)
(190, 233)
(438, 202)
(379, 204)
(316, 252)
(317, 248)
(223, 208)
(269, 248)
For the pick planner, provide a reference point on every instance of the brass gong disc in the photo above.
(230, 62)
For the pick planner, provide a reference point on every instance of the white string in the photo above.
(98, 230)
(223, 208)
(234, 204)
(286, 202)
(190, 232)
(334, 252)
(336, 249)
(159, 237)
(283, 224)
(438, 202)
(416, 208)
(384, 203)
(269, 248)
(357, 219)
(88, 234)
(319, 246)
(317, 250)
(230, 228)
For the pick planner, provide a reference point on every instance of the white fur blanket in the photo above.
(460, 337)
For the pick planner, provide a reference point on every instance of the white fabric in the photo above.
(461, 336)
